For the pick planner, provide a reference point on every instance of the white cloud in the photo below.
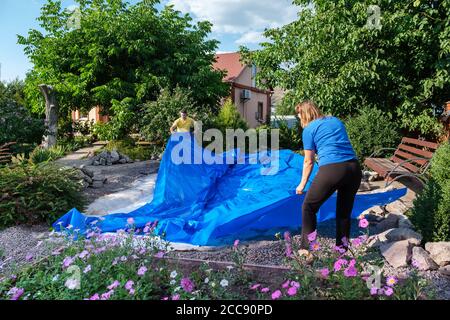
(247, 18)
(251, 37)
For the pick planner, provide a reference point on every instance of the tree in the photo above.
(109, 50)
(344, 56)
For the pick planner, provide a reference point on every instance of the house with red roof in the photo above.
(253, 104)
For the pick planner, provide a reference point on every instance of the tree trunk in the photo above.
(51, 116)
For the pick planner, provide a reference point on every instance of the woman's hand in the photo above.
(299, 189)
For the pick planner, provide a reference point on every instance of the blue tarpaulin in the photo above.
(203, 198)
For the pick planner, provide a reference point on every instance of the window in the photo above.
(254, 75)
(260, 111)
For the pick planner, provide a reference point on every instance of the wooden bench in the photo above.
(411, 159)
(5, 154)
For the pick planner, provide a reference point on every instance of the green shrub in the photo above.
(37, 193)
(229, 118)
(129, 148)
(289, 138)
(103, 131)
(40, 154)
(431, 211)
(372, 129)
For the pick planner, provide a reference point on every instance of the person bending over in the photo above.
(339, 170)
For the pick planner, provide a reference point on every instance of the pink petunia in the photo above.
(295, 284)
(16, 293)
(276, 294)
(236, 243)
(356, 242)
(141, 271)
(373, 291)
(264, 290)
(107, 295)
(176, 297)
(131, 291)
(338, 264)
(159, 255)
(388, 291)
(255, 286)
(67, 262)
(114, 285)
(187, 285)
(129, 284)
(350, 272)
(287, 236)
(95, 297)
(363, 223)
(312, 236)
(324, 272)
(286, 284)
(130, 221)
(292, 291)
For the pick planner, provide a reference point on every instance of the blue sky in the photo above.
(236, 22)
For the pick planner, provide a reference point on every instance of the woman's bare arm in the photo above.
(308, 165)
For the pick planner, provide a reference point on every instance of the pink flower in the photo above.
(312, 236)
(114, 285)
(87, 269)
(315, 246)
(67, 262)
(130, 221)
(147, 229)
(356, 242)
(131, 292)
(350, 272)
(159, 255)
(264, 290)
(255, 286)
(338, 264)
(142, 270)
(288, 250)
(391, 281)
(373, 291)
(324, 272)
(295, 284)
(16, 293)
(165, 298)
(363, 223)
(345, 241)
(129, 284)
(176, 297)
(83, 254)
(286, 284)
(236, 243)
(95, 297)
(339, 249)
(287, 236)
(388, 291)
(29, 257)
(352, 263)
(292, 291)
(107, 295)
(415, 263)
(276, 295)
(187, 285)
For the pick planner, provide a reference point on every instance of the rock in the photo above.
(378, 239)
(87, 171)
(102, 179)
(390, 222)
(423, 260)
(88, 179)
(397, 207)
(445, 270)
(85, 184)
(109, 162)
(97, 184)
(123, 161)
(397, 254)
(399, 234)
(96, 163)
(439, 252)
(404, 222)
(115, 157)
(102, 161)
(103, 155)
(373, 218)
(378, 210)
(364, 186)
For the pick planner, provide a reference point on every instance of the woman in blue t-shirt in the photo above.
(339, 171)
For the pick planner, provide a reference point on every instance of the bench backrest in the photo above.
(5, 154)
(411, 149)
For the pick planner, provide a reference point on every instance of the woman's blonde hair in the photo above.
(308, 112)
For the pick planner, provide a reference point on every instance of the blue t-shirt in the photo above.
(328, 138)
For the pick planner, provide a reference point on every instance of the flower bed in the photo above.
(123, 266)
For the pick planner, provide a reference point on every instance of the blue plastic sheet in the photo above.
(204, 200)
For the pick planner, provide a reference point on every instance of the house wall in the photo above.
(249, 108)
(93, 115)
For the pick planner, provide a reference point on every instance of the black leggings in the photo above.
(345, 177)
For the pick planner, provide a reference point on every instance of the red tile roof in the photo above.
(229, 62)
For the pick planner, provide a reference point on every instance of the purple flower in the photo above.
(373, 291)
(107, 295)
(350, 272)
(363, 223)
(176, 297)
(345, 241)
(67, 262)
(338, 264)
(129, 284)
(114, 285)
(29, 257)
(16, 293)
(388, 291)
(292, 291)
(130, 221)
(276, 295)
(295, 284)
(95, 297)
(264, 290)
(288, 250)
(83, 254)
(255, 286)
(147, 229)
(159, 254)
(286, 284)
(142, 270)
(391, 281)
(131, 292)
(324, 272)
(356, 242)
(87, 269)
(236, 243)
(312, 236)
(315, 246)
(187, 285)
(287, 236)
(415, 263)
(339, 249)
